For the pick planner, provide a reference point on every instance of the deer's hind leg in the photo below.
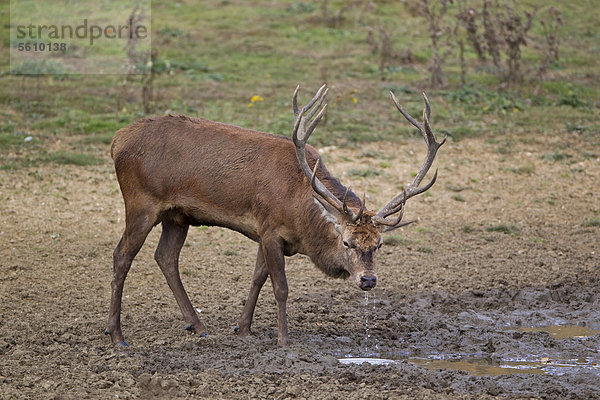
(138, 223)
(167, 256)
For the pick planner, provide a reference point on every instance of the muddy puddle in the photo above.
(482, 365)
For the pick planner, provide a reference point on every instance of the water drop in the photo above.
(367, 333)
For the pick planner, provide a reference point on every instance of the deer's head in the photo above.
(356, 231)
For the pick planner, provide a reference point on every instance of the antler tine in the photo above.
(413, 191)
(399, 207)
(360, 211)
(314, 110)
(314, 123)
(300, 117)
(408, 117)
(314, 174)
(399, 225)
(307, 107)
(344, 204)
(390, 225)
(427, 106)
(295, 103)
(353, 218)
(315, 98)
(426, 115)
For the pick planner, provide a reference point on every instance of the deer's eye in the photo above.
(379, 245)
(349, 245)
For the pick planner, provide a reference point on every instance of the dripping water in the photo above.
(367, 311)
(367, 331)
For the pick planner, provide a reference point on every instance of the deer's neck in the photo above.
(321, 240)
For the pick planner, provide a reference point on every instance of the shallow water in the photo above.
(488, 367)
(560, 332)
(369, 360)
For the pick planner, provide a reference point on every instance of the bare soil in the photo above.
(506, 240)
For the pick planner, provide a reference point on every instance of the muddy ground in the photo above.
(507, 239)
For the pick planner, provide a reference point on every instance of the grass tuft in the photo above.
(395, 240)
(458, 197)
(72, 158)
(504, 228)
(363, 173)
(468, 228)
(591, 222)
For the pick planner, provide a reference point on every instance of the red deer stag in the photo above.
(181, 171)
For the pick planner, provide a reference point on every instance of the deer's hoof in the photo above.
(122, 343)
(242, 332)
(191, 328)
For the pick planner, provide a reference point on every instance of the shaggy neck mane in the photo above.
(319, 251)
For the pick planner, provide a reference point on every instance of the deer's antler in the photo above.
(300, 136)
(397, 203)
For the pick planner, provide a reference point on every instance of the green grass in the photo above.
(72, 158)
(363, 173)
(241, 49)
(468, 229)
(10, 140)
(528, 169)
(556, 155)
(103, 139)
(459, 198)
(591, 222)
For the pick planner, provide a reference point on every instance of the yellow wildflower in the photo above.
(256, 98)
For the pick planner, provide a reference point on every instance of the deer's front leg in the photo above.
(258, 279)
(275, 262)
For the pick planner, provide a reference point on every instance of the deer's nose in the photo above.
(368, 282)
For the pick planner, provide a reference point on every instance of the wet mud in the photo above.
(461, 310)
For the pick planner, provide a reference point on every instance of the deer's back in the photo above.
(213, 172)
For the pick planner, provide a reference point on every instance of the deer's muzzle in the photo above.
(367, 282)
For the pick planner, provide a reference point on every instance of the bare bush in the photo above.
(467, 16)
(490, 34)
(504, 32)
(139, 62)
(381, 44)
(136, 59)
(379, 40)
(514, 28)
(148, 84)
(434, 11)
(551, 24)
(334, 17)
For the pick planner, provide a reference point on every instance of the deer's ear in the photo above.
(329, 213)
